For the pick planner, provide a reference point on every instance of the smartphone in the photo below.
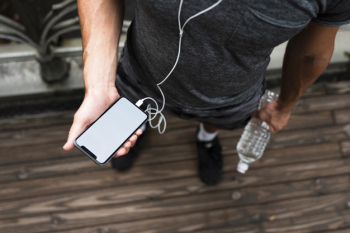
(103, 138)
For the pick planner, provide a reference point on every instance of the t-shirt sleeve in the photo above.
(337, 15)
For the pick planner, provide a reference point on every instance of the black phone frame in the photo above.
(92, 156)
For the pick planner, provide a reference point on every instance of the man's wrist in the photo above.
(110, 91)
(284, 106)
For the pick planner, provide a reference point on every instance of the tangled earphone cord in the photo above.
(154, 112)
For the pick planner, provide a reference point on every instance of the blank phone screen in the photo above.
(106, 135)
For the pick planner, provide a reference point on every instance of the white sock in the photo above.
(204, 136)
(143, 127)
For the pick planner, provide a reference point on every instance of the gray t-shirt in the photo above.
(225, 51)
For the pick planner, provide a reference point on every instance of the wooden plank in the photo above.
(251, 228)
(297, 154)
(175, 224)
(50, 152)
(318, 135)
(211, 213)
(186, 192)
(316, 89)
(309, 121)
(346, 230)
(328, 222)
(339, 87)
(345, 147)
(160, 172)
(47, 169)
(342, 116)
(79, 163)
(52, 134)
(36, 120)
(320, 103)
(253, 216)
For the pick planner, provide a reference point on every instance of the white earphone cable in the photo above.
(153, 112)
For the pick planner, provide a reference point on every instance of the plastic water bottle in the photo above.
(255, 137)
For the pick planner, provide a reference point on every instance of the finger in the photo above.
(133, 139)
(133, 142)
(120, 152)
(139, 132)
(127, 144)
(74, 132)
(123, 151)
(127, 150)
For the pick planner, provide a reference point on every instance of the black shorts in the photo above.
(228, 117)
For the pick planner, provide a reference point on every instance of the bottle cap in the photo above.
(242, 167)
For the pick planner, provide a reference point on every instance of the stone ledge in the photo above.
(20, 71)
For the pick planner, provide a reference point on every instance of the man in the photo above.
(219, 78)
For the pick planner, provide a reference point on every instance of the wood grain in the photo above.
(162, 194)
(319, 223)
(184, 169)
(339, 87)
(345, 147)
(218, 210)
(79, 163)
(35, 121)
(342, 116)
(319, 103)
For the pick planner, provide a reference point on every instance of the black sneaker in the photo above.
(125, 162)
(209, 161)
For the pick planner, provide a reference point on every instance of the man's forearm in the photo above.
(101, 22)
(307, 56)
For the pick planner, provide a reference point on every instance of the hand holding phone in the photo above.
(92, 107)
(103, 138)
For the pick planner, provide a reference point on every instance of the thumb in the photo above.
(76, 128)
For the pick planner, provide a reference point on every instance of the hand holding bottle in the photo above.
(274, 114)
(256, 135)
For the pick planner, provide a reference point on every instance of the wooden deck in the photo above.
(300, 185)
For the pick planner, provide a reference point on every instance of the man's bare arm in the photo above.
(101, 22)
(307, 56)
